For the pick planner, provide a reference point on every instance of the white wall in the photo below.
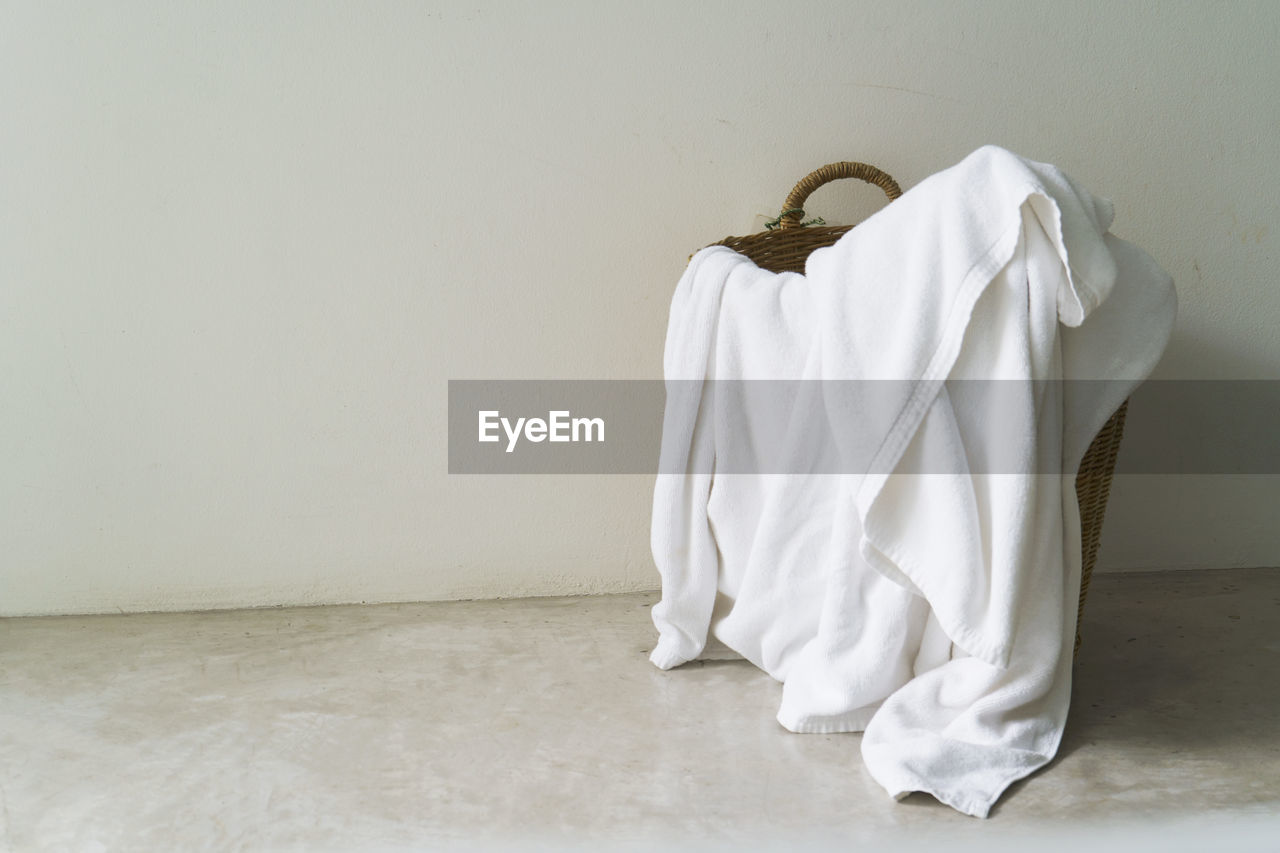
(244, 245)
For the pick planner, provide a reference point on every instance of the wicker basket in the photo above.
(786, 248)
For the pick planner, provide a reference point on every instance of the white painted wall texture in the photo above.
(244, 245)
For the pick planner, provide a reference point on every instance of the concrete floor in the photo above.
(539, 722)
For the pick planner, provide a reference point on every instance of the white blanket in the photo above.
(935, 611)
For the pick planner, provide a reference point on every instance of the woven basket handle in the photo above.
(794, 205)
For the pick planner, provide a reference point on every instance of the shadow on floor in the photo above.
(1188, 666)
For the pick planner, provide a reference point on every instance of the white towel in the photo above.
(936, 611)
